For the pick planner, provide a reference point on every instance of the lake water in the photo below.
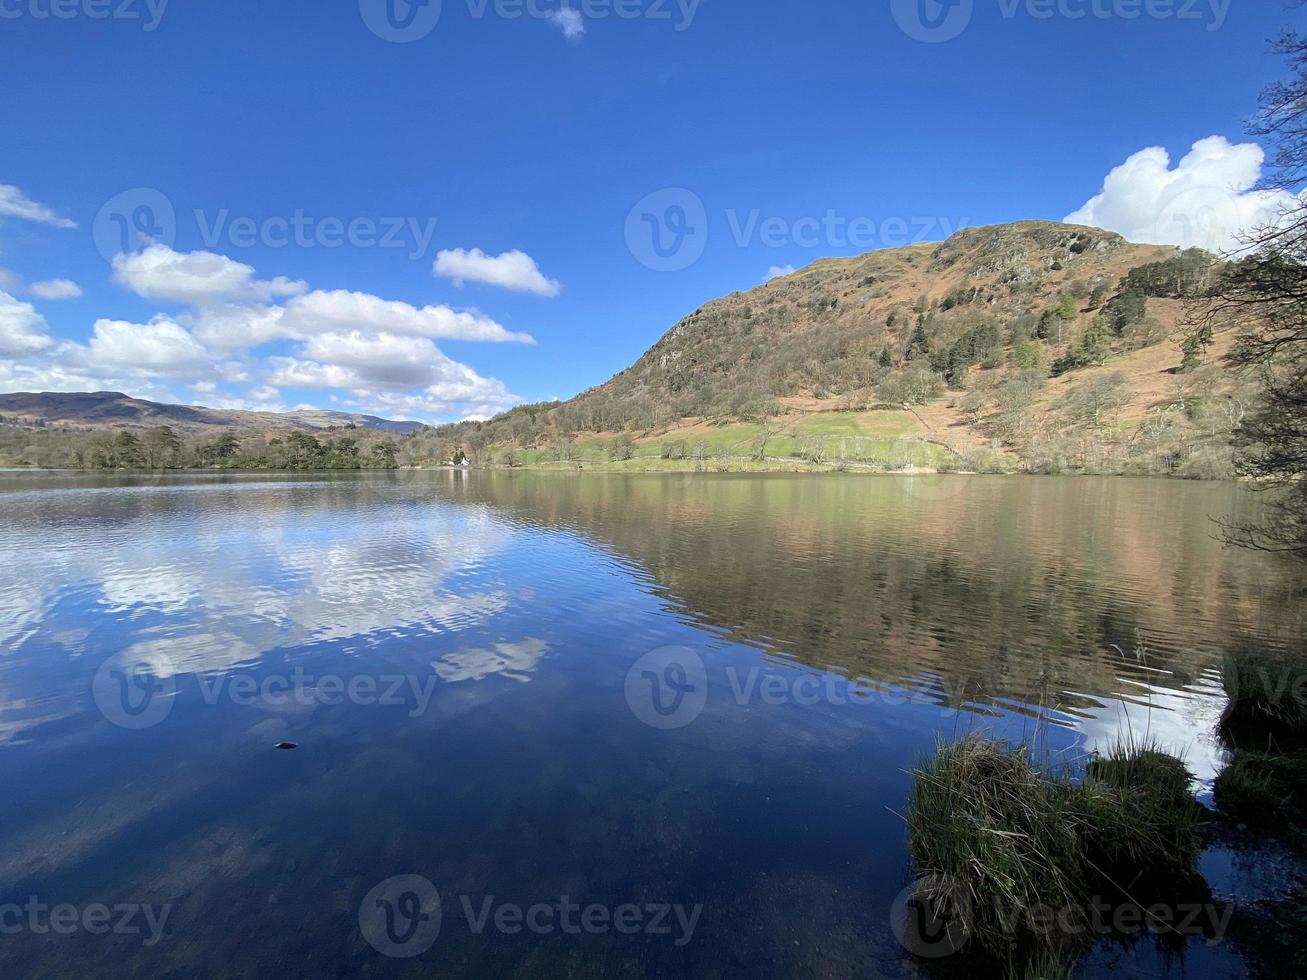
(555, 725)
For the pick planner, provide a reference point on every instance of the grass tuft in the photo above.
(1012, 839)
(1140, 811)
(984, 818)
(1265, 789)
(1045, 966)
(1267, 689)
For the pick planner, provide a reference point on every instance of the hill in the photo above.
(113, 409)
(1037, 345)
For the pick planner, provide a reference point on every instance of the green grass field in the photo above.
(816, 442)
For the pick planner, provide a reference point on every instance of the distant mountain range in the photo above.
(113, 409)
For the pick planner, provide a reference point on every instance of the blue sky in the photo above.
(759, 136)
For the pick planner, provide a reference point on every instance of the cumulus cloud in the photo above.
(379, 360)
(236, 327)
(513, 270)
(338, 309)
(1207, 200)
(22, 329)
(56, 289)
(777, 271)
(158, 272)
(568, 20)
(160, 347)
(381, 371)
(380, 353)
(15, 204)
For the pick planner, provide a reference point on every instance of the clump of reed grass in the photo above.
(1011, 838)
(1140, 811)
(984, 818)
(1266, 688)
(1045, 966)
(1265, 789)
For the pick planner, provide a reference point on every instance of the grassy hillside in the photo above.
(1034, 345)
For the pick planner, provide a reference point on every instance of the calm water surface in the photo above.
(701, 692)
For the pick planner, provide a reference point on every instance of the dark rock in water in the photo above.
(286, 745)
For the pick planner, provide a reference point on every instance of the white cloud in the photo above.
(380, 355)
(22, 329)
(1207, 200)
(66, 369)
(381, 372)
(339, 310)
(777, 271)
(10, 281)
(232, 327)
(568, 20)
(56, 289)
(160, 347)
(437, 402)
(513, 270)
(15, 204)
(158, 272)
(381, 360)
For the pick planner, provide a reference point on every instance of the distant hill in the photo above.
(113, 409)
